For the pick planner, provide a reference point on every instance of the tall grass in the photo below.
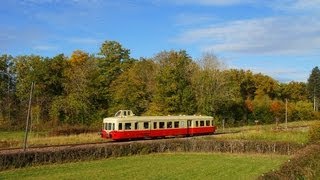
(296, 132)
(15, 139)
(300, 137)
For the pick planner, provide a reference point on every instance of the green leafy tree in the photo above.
(262, 111)
(243, 85)
(301, 110)
(6, 88)
(173, 92)
(266, 85)
(75, 105)
(215, 94)
(294, 91)
(314, 86)
(30, 69)
(112, 62)
(134, 88)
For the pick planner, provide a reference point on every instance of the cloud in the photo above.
(45, 47)
(185, 19)
(309, 6)
(275, 35)
(211, 2)
(84, 40)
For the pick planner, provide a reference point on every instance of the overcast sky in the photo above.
(280, 38)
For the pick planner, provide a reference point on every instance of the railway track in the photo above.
(61, 146)
(46, 147)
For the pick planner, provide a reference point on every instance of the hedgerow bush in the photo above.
(314, 133)
(304, 165)
(19, 159)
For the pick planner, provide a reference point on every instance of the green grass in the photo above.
(300, 137)
(11, 135)
(291, 125)
(157, 166)
(297, 132)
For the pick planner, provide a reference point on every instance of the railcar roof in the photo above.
(156, 118)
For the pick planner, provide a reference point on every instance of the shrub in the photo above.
(16, 159)
(72, 129)
(304, 165)
(314, 133)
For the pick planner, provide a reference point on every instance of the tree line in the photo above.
(84, 88)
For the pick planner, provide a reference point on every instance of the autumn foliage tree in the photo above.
(83, 88)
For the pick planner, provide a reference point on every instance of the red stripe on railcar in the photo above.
(138, 134)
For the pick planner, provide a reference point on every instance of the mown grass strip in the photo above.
(157, 166)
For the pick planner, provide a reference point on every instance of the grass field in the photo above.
(297, 132)
(295, 136)
(157, 166)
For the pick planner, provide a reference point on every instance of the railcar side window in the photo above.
(120, 126)
(212, 122)
(113, 126)
(154, 125)
(109, 126)
(207, 123)
(127, 126)
(161, 125)
(169, 124)
(176, 124)
(146, 125)
(136, 125)
(201, 123)
(197, 123)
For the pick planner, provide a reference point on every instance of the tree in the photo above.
(266, 85)
(113, 61)
(30, 69)
(277, 108)
(314, 86)
(6, 87)
(134, 88)
(173, 93)
(244, 88)
(74, 105)
(294, 91)
(215, 94)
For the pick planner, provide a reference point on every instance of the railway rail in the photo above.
(61, 146)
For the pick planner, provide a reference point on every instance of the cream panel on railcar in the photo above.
(126, 120)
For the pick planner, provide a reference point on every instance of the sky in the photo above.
(279, 38)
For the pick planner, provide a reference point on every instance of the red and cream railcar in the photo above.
(126, 126)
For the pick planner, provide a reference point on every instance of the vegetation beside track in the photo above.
(304, 165)
(18, 158)
(297, 133)
(157, 166)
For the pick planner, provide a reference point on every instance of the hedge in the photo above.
(18, 158)
(304, 165)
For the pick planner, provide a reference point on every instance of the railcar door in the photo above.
(147, 129)
(189, 130)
